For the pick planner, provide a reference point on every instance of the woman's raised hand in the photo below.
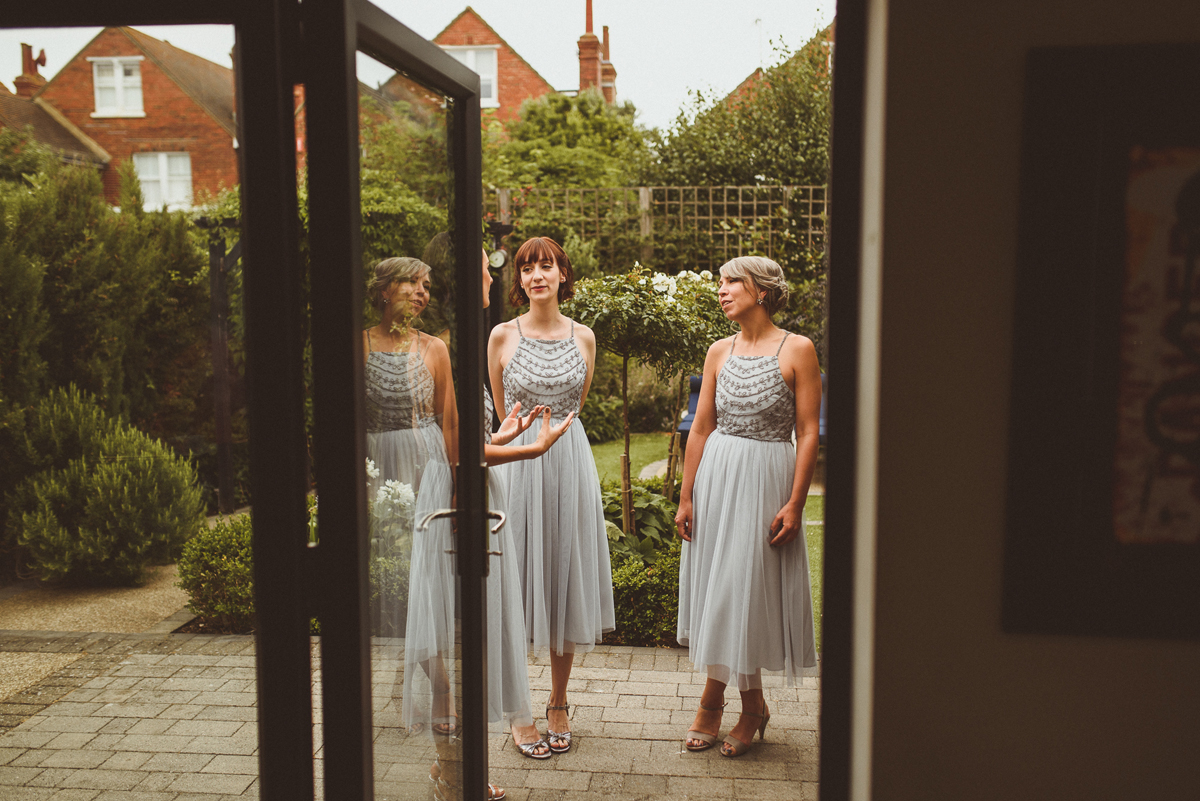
(514, 424)
(683, 520)
(548, 434)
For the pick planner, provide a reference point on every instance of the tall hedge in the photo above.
(114, 302)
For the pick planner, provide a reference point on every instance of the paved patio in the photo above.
(171, 717)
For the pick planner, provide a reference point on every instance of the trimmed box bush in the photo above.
(216, 570)
(96, 500)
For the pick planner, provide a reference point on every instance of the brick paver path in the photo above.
(171, 717)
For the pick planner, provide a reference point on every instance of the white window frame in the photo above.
(164, 177)
(484, 102)
(119, 110)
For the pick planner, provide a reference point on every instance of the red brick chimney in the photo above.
(608, 74)
(589, 56)
(29, 81)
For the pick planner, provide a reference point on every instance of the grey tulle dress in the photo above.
(745, 605)
(554, 505)
(508, 672)
(406, 443)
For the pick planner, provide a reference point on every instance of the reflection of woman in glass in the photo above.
(411, 427)
(745, 602)
(542, 358)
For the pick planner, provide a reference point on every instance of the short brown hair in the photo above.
(537, 249)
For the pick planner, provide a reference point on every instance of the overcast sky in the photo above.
(662, 49)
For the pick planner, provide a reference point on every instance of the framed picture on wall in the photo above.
(1103, 507)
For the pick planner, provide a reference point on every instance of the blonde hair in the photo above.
(765, 275)
(389, 271)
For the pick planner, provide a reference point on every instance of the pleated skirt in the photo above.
(561, 548)
(745, 605)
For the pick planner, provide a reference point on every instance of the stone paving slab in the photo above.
(171, 717)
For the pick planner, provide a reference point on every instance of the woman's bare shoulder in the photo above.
(584, 333)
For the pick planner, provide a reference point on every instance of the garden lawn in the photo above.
(643, 449)
(814, 530)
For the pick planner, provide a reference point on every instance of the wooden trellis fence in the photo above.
(728, 220)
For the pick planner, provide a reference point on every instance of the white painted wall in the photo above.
(962, 710)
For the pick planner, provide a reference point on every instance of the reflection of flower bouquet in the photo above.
(391, 516)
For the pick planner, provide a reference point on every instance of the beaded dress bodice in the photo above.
(550, 372)
(399, 391)
(489, 411)
(753, 400)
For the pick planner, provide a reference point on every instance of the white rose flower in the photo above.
(372, 471)
(706, 275)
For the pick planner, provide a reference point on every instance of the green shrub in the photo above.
(389, 594)
(601, 418)
(646, 599)
(654, 516)
(217, 571)
(95, 500)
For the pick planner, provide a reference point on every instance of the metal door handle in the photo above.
(494, 514)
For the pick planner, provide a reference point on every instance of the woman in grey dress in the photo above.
(745, 600)
(508, 672)
(554, 508)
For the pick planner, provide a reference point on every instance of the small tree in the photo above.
(666, 322)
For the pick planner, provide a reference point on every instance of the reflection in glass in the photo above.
(412, 432)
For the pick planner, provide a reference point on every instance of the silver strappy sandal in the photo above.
(562, 736)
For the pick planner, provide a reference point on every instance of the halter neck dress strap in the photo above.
(369, 348)
(786, 334)
(520, 333)
(732, 342)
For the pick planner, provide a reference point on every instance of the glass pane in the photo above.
(485, 62)
(146, 165)
(412, 432)
(154, 343)
(152, 194)
(131, 71)
(133, 98)
(179, 164)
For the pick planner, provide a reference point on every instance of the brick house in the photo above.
(138, 98)
(48, 126)
(506, 79)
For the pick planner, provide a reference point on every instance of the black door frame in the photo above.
(335, 30)
(294, 582)
(264, 71)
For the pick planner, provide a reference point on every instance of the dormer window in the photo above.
(118, 86)
(482, 61)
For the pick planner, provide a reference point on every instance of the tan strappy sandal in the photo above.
(708, 740)
(736, 746)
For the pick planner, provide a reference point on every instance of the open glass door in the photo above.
(392, 170)
(396, 590)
